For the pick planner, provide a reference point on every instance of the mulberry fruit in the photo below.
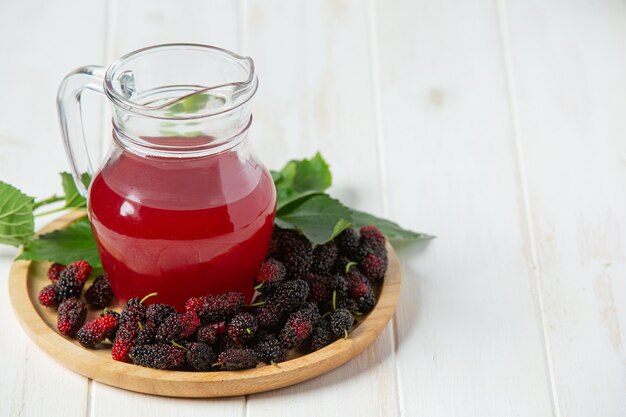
(321, 336)
(295, 252)
(324, 257)
(339, 285)
(157, 313)
(111, 334)
(341, 322)
(373, 267)
(372, 241)
(72, 280)
(269, 350)
(311, 311)
(206, 334)
(297, 328)
(200, 356)
(234, 359)
(358, 284)
(96, 331)
(178, 327)
(72, 315)
(133, 313)
(349, 304)
(124, 341)
(348, 242)
(100, 294)
(54, 271)
(290, 295)
(367, 302)
(216, 308)
(47, 296)
(242, 328)
(269, 317)
(342, 264)
(146, 335)
(158, 356)
(270, 273)
(319, 288)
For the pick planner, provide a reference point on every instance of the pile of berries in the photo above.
(307, 297)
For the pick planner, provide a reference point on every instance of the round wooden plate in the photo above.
(27, 278)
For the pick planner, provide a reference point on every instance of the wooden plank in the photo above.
(469, 329)
(316, 94)
(569, 85)
(41, 43)
(31, 150)
(135, 25)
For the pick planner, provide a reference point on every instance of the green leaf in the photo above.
(276, 176)
(17, 225)
(312, 175)
(320, 218)
(64, 246)
(300, 179)
(73, 199)
(390, 229)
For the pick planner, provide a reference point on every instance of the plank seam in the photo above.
(89, 402)
(242, 22)
(382, 168)
(529, 226)
(107, 52)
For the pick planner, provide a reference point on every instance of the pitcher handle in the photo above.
(90, 77)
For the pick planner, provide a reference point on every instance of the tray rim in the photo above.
(195, 384)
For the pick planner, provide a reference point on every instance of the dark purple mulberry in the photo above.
(206, 334)
(373, 267)
(341, 264)
(367, 302)
(290, 295)
(72, 280)
(297, 328)
(321, 336)
(235, 359)
(269, 350)
(348, 242)
(269, 317)
(294, 251)
(341, 322)
(146, 335)
(242, 328)
(157, 313)
(358, 284)
(178, 327)
(372, 241)
(324, 257)
(100, 294)
(200, 356)
(319, 288)
(160, 356)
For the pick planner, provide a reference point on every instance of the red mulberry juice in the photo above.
(181, 227)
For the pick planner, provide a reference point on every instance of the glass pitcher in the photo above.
(180, 205)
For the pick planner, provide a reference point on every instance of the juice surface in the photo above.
(181, 227)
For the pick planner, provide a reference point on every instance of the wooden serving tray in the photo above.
(27, 278)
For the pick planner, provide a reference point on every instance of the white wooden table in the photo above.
(499, 126)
